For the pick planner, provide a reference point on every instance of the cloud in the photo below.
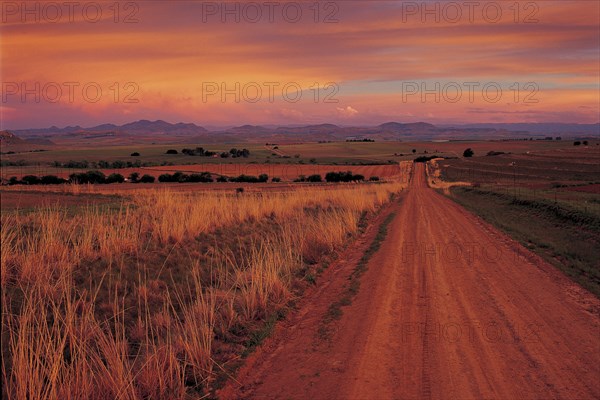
(347, 112)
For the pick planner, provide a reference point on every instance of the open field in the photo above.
(334, 153)
(164, 290)
(158, 297)
(286, 172)
(548, 200)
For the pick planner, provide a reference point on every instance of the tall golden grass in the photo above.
(57, 345)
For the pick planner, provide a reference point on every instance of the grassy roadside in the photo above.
(335, 310)
(567, 238)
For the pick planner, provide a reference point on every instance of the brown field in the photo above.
(157, 296)
(162, 290)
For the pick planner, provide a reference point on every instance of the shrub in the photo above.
(263, 178)
(314, 178)
(494, 153)
(88, 177)
(248, 178)
(135, 154)
(275, 179)
(343, 177)
(585, 142)
(51, 180)
(134, 177)
(576, 143)
(147, 179)
(171, 151)
(423, 159)
(115, 178)
(202, 177)
(374, 179)
(468, 152)
(222, 179)
(165, 178)
(31, 180)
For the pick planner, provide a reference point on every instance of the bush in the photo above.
(147, 179)
(314, 178)
(171, 151)
(423, 159)
(202, 177)
(468, 152)
(576, 143)
(263, 178)
(343, 177)
(247, 178)
(134, 177)
(222, 179)
(88, 177)
(52, 180)
(494, 153)
(135, 154)
(374, 179)
(31, 180)
(165, 178)
(275, 179)
(115, 178)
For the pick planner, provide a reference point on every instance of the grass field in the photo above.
(157, 295)
(334, 153)
(549, 200)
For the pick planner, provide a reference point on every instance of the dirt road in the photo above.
(449, 309)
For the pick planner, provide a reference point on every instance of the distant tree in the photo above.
(115, 178)
(134, 177)
(31, 180)
(171, 151)
(222, 179)
(374, 178)
(263, 178)
(468, 152)
(314, 178)
(414, 150)
(135, 154)
(51, 180)
(275, 179)
(147, 179)
(585, 142)
(558, 138)
(576, 143)
(88, 177)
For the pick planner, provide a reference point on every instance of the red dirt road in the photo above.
(449, 309)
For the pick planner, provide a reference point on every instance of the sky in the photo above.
(349, 62)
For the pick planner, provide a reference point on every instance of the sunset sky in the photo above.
(370, 61)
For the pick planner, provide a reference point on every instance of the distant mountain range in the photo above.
(164, 132)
